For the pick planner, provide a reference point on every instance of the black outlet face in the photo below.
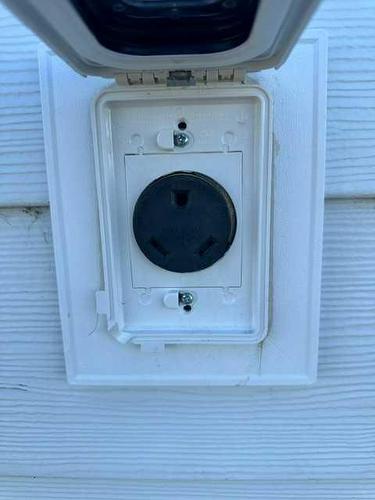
(184, 222)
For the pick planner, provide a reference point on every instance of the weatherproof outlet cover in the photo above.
(279, 339)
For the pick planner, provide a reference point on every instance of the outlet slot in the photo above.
(159, 247)
(206, 246)
(180, 197)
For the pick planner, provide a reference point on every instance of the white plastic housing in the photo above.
(288, 353)
(230, 142)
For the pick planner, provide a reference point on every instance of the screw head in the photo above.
(180, 139)
(186, 298)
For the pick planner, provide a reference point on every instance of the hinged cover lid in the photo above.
(178, 78)
(110, 37)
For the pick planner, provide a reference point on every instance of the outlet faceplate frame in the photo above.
(288, 355)
(231, 128)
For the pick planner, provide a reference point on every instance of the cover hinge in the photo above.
(182, 78)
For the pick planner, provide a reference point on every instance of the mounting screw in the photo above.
(185, 298)
(180, 139)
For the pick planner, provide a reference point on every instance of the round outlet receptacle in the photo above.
(184, 222)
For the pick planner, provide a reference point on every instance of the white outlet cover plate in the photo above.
(230, 137)
(288, 355)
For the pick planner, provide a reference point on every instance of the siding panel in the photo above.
(322, 432)
(351, 96)
(22, 164)
(42, 489)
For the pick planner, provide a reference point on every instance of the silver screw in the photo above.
(180, 139)
(186, 298)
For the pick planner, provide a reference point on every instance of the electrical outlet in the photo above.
(184, 222)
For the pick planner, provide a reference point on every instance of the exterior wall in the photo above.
(261, 443)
